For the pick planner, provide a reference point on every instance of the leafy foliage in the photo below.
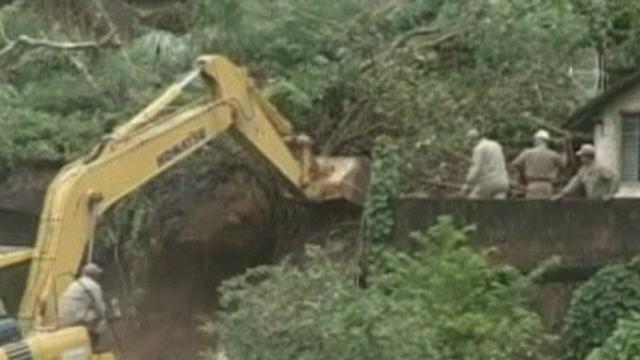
(612, 29)
(421, 71)
(82, 96)
(418, 73)
(126, 244)
(384, 188)
(624, 344)
(443, 302)
(597, 305)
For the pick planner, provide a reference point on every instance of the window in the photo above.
(630, 171)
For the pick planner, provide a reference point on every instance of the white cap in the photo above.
(586, 149)
(542, 135)
(92, 270)
(473, 134)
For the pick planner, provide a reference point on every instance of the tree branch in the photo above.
(113, 29)
(404, 38)
(83, 70)
(10, 45)
(29, 42)
(441, 39)
(107, 40)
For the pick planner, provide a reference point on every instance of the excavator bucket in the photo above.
(337, 178)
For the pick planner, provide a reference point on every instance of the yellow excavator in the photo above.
(158, 137)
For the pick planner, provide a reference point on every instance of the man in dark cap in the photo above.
(595, 180)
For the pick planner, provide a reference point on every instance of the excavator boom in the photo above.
(148, 145)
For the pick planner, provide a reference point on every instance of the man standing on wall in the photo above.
(539, 167)
(487, 177)
(594, 180)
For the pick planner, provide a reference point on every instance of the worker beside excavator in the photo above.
(539, 167)
(82, 303)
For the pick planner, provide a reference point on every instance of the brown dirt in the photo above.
(217, 234)
(167, 327)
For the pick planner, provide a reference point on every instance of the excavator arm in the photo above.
(151, 143)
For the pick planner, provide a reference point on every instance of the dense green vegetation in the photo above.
(444, 301)
(611, 295)
(401, 81)
(384, 188)
(346, 71)
(624, 343)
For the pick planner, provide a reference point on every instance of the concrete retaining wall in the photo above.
(584, 233)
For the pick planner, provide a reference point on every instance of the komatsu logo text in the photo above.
(191, 140)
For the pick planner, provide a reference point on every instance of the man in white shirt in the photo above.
(82, 303)
(487, 177)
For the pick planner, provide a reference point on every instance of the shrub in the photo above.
(385, 178)
(443, 302)
(624, 344)
(597, 305)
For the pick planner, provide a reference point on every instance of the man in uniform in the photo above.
(487, 177)
(539, 166)
(595, 180)
(82, 303)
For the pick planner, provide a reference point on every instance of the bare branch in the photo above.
(404, 38)
(441, 39)
(8, 48)
(385, 9)
(539, 93)
(107, 40)
(10, 45)
(25, 41)
(103, 13)
(83, 70)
